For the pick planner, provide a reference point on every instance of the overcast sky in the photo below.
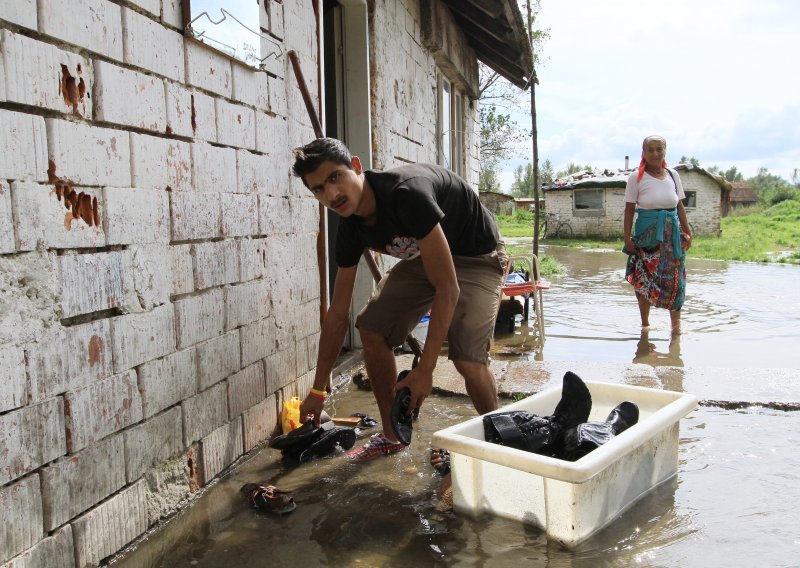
(720, 79)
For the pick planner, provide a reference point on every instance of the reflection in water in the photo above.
(647, 352)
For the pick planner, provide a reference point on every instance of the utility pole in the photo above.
(534, 134)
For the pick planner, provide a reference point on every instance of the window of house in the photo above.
(690, 201)
(588, 199)
(450, 125)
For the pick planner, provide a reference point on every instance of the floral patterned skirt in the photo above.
(658, 272)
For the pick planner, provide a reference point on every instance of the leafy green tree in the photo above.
(731, 174)
(522, 185)
(694, 161)
(771, 188)
(488, 180)
(546, 173)
(573, 167)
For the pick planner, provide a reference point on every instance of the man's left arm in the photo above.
(439, 268)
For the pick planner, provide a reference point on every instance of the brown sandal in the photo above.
(269, 498)
(440, 460)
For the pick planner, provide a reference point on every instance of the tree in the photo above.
(770, 187)
(573, 168)
(694, 161)
(488, 180)
(523, 181)
(546, 173)
(500, 136)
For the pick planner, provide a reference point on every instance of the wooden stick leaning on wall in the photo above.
(371, 264)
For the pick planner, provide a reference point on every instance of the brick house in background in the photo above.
(593, 202)
(742, 196)
(160, 291)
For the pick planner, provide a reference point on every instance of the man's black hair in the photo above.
(309, 157)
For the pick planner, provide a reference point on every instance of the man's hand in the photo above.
(420, 383)
(311, 409)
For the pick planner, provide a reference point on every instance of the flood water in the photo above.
(735, 315)
(732, 503)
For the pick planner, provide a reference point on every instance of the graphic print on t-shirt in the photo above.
(403, 247)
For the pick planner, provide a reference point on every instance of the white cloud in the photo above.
(716, 77)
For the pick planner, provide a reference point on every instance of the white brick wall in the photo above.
(152, 274)
(31, 437)
(20, 502)
(274, 215)
(6, 220)
(167, 381)
(149, 45)
(42, 220)
(135, 215)
(138, 338)
(110, 526)
(247, 303)
(116, 88)
(93, 24)
(199, 317)
(215, 263)
(101, 408)
(26, 158)
(141, 453)
(280, 369)
(208, 70)
(260, 422)
(258, 340)
(250, 88)
(89, 155)
(204, 413)
(160, 163)
(20, 12)
(64, 482)
(213, 168)
(55, 550)
(182, 271)
(96, 282)
(69, 358)
(254, 258)
(217, 359)
(239, 214)
(179, 109)
(205, 116)
(221, 448)
(246, 389)
(252, 171)
(195, 215)
(13, 385)
(235, 125)
(37, 74)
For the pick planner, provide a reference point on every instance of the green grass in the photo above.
(769, 235)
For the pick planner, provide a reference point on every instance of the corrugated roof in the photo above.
(586, 179)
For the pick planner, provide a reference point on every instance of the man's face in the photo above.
(336, 186)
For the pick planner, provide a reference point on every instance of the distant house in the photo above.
(593, 202)
(741, 196)
(496, 202)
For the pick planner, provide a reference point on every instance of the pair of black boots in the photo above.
(566, 434)
(309, 441)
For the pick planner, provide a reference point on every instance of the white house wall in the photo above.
(152, 331)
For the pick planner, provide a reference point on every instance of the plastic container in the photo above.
(569, 500)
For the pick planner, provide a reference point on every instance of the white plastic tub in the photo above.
(569, 500)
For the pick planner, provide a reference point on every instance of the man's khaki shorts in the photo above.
(404, 295)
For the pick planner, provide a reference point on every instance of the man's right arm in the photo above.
(334, 329)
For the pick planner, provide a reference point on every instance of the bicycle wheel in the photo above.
(564, 231)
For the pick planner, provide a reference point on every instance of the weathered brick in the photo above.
(20, 12)
(141, 454)
(138, 338)
(260, 422)
(199, 317)
(13, 385)
(273, 61)
(6, 220)
(160, 163)
(246, 389)
(21, 503)
(172, 13)
(250, 87)
(151, 46)
(305, 214)
(277, 97)
(40, 74)
(74, 484)
(275, 12)
(280, 369)
(179, 109)
(254, 259)
(26, 158)
(95, 282)
(107, 528)
(274, 214)
(217, 359)
(252, 171)
(30, 437)
(215, 263)
(208, 70)
(69, 358)
(195, 215)
(204, 413)
(102, 408)
(123, 96)
(221, 448)
(213, 168)
(236, 125)
(132, 216)
(258, 340)
(247, 303)
(204, 116)
(54, 550)
(167, 381)
(43, 221)
(152, 274)
(182, 269)
(307, 348)
(89, 155)
(239, 214)
(93, 24)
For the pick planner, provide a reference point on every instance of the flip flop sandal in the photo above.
(269, 498)
(327, 443)
(442, 459)
(366, 421)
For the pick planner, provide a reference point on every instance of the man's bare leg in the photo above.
(382, 372)
(480, 383)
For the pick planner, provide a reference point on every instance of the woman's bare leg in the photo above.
(644, 310)
(675, 318)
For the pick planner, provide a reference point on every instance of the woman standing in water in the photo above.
(656, 247)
